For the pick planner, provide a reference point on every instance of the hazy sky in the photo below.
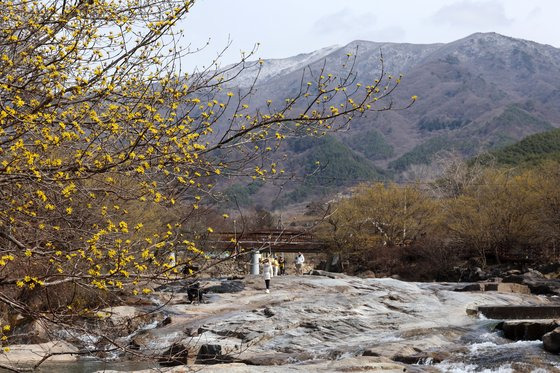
(285, 28)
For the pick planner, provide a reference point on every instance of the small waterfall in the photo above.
(488, 351)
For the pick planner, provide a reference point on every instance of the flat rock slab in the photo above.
(308, 318)
(310, 323)
(520, 312)
(32, 354)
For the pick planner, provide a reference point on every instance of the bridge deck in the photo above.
(270, 240)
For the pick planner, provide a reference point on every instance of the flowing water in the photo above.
(487, 351)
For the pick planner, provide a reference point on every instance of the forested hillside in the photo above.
(476, 94)
(529, 151)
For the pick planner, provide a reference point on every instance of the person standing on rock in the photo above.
(282, 265)
(267, 274)
(299, 263)
(275, 266)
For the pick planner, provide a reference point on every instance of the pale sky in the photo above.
(285, 28)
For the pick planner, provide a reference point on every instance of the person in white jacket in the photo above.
(299, 263)
(267, 274)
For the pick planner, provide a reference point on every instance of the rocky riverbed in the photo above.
(337, 323)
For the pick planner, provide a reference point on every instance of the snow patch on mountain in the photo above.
(272, 68)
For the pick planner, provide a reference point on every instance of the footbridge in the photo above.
(273, 240)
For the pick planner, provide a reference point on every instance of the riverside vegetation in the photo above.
(421, 231)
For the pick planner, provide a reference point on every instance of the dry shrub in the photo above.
(59, 299)
(411, 263)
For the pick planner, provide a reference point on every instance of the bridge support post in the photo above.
(255, 262)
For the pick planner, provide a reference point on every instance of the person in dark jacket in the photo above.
(282, 265)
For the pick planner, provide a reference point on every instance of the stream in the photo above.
(483, 351)
(487, 351)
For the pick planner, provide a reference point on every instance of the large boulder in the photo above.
(536, 281)
(275, 358)
(422, 358)
(228, 286)
(549, 269)
(333, 275)
(472, 274)
(177, 354)
(551, 341)
(471, 287)
(33, 332)
(367, 274)
(209, 354)
(526, 330)
(409, 355)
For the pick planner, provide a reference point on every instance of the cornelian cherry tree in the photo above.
(99, 127)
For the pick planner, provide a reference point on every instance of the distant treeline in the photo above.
(487, 214)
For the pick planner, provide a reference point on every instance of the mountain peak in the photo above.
(272, 68)
(496, 38)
